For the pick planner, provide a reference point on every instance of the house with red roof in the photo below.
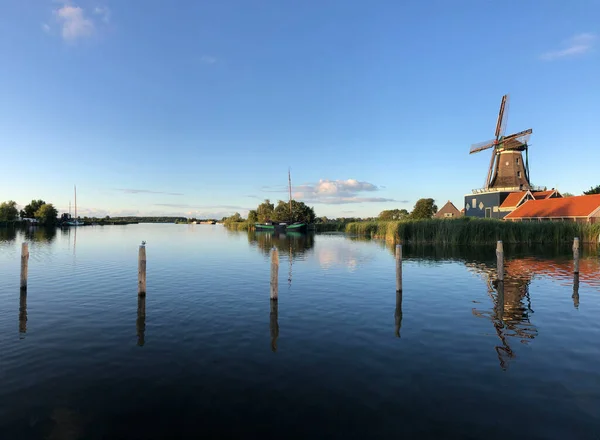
(580, 209)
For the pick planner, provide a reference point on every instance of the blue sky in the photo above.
(198, 108)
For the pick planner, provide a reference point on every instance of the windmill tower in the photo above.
(507, 170)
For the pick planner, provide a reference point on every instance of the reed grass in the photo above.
(239, 226)
(467, 230)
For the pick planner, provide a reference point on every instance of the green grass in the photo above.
(475, 231)
(239, 226)
(330, 227)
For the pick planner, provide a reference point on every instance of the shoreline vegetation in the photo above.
(461, 231)
(467, 231)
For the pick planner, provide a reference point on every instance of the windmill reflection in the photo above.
(511, 310)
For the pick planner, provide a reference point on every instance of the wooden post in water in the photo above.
(500, 260)
(24, 265)
(274, 273)
(142, 270)
(398, 268)
(576, 255)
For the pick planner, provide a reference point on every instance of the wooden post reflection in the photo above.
(23, 313)
(576, 290)
(500, 301)
(140, 324)
(274, 324)
(398, 313)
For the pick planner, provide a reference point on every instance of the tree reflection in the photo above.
(293, 244)
(40, 234)
(8, 233)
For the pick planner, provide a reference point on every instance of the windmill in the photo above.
(507, 169)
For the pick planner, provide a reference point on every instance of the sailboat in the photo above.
(75, 222)
(283, 227)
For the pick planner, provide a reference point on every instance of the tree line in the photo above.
(423, 209)
(289, 212)
(45, 213)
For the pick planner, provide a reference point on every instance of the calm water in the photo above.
(341, 356)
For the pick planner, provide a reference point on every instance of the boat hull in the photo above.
(295, 227)
(263, 227)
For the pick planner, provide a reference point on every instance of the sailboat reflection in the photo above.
(140, 323)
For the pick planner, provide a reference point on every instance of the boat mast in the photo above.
(290, 188)
(75, 188)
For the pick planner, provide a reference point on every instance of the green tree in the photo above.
(593, 190)
(265, 211)
(234, 218)
(46, 214)
(33, 207)
(300, 212)
(8, 211)
(424, 208)
(567, 194)
(393, 214)
(252, 216)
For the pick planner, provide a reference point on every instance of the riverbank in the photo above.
(317, 227)
(465, 231)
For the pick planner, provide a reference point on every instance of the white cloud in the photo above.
(46, 28)
(103, 12)
(577, 45)
(74, 23)
(146, 191)
(208, 59)
(335, 192)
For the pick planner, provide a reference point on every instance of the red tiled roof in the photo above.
(513, 199)
(577, 206)
(542, 194)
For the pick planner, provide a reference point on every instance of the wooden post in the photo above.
(398, 313)
(576, 255)
(142, 270)
(575, 295)
(274, 273)
(500, 260)
(274, 324)
(24, 265)
(398, 268)
(140, 323)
